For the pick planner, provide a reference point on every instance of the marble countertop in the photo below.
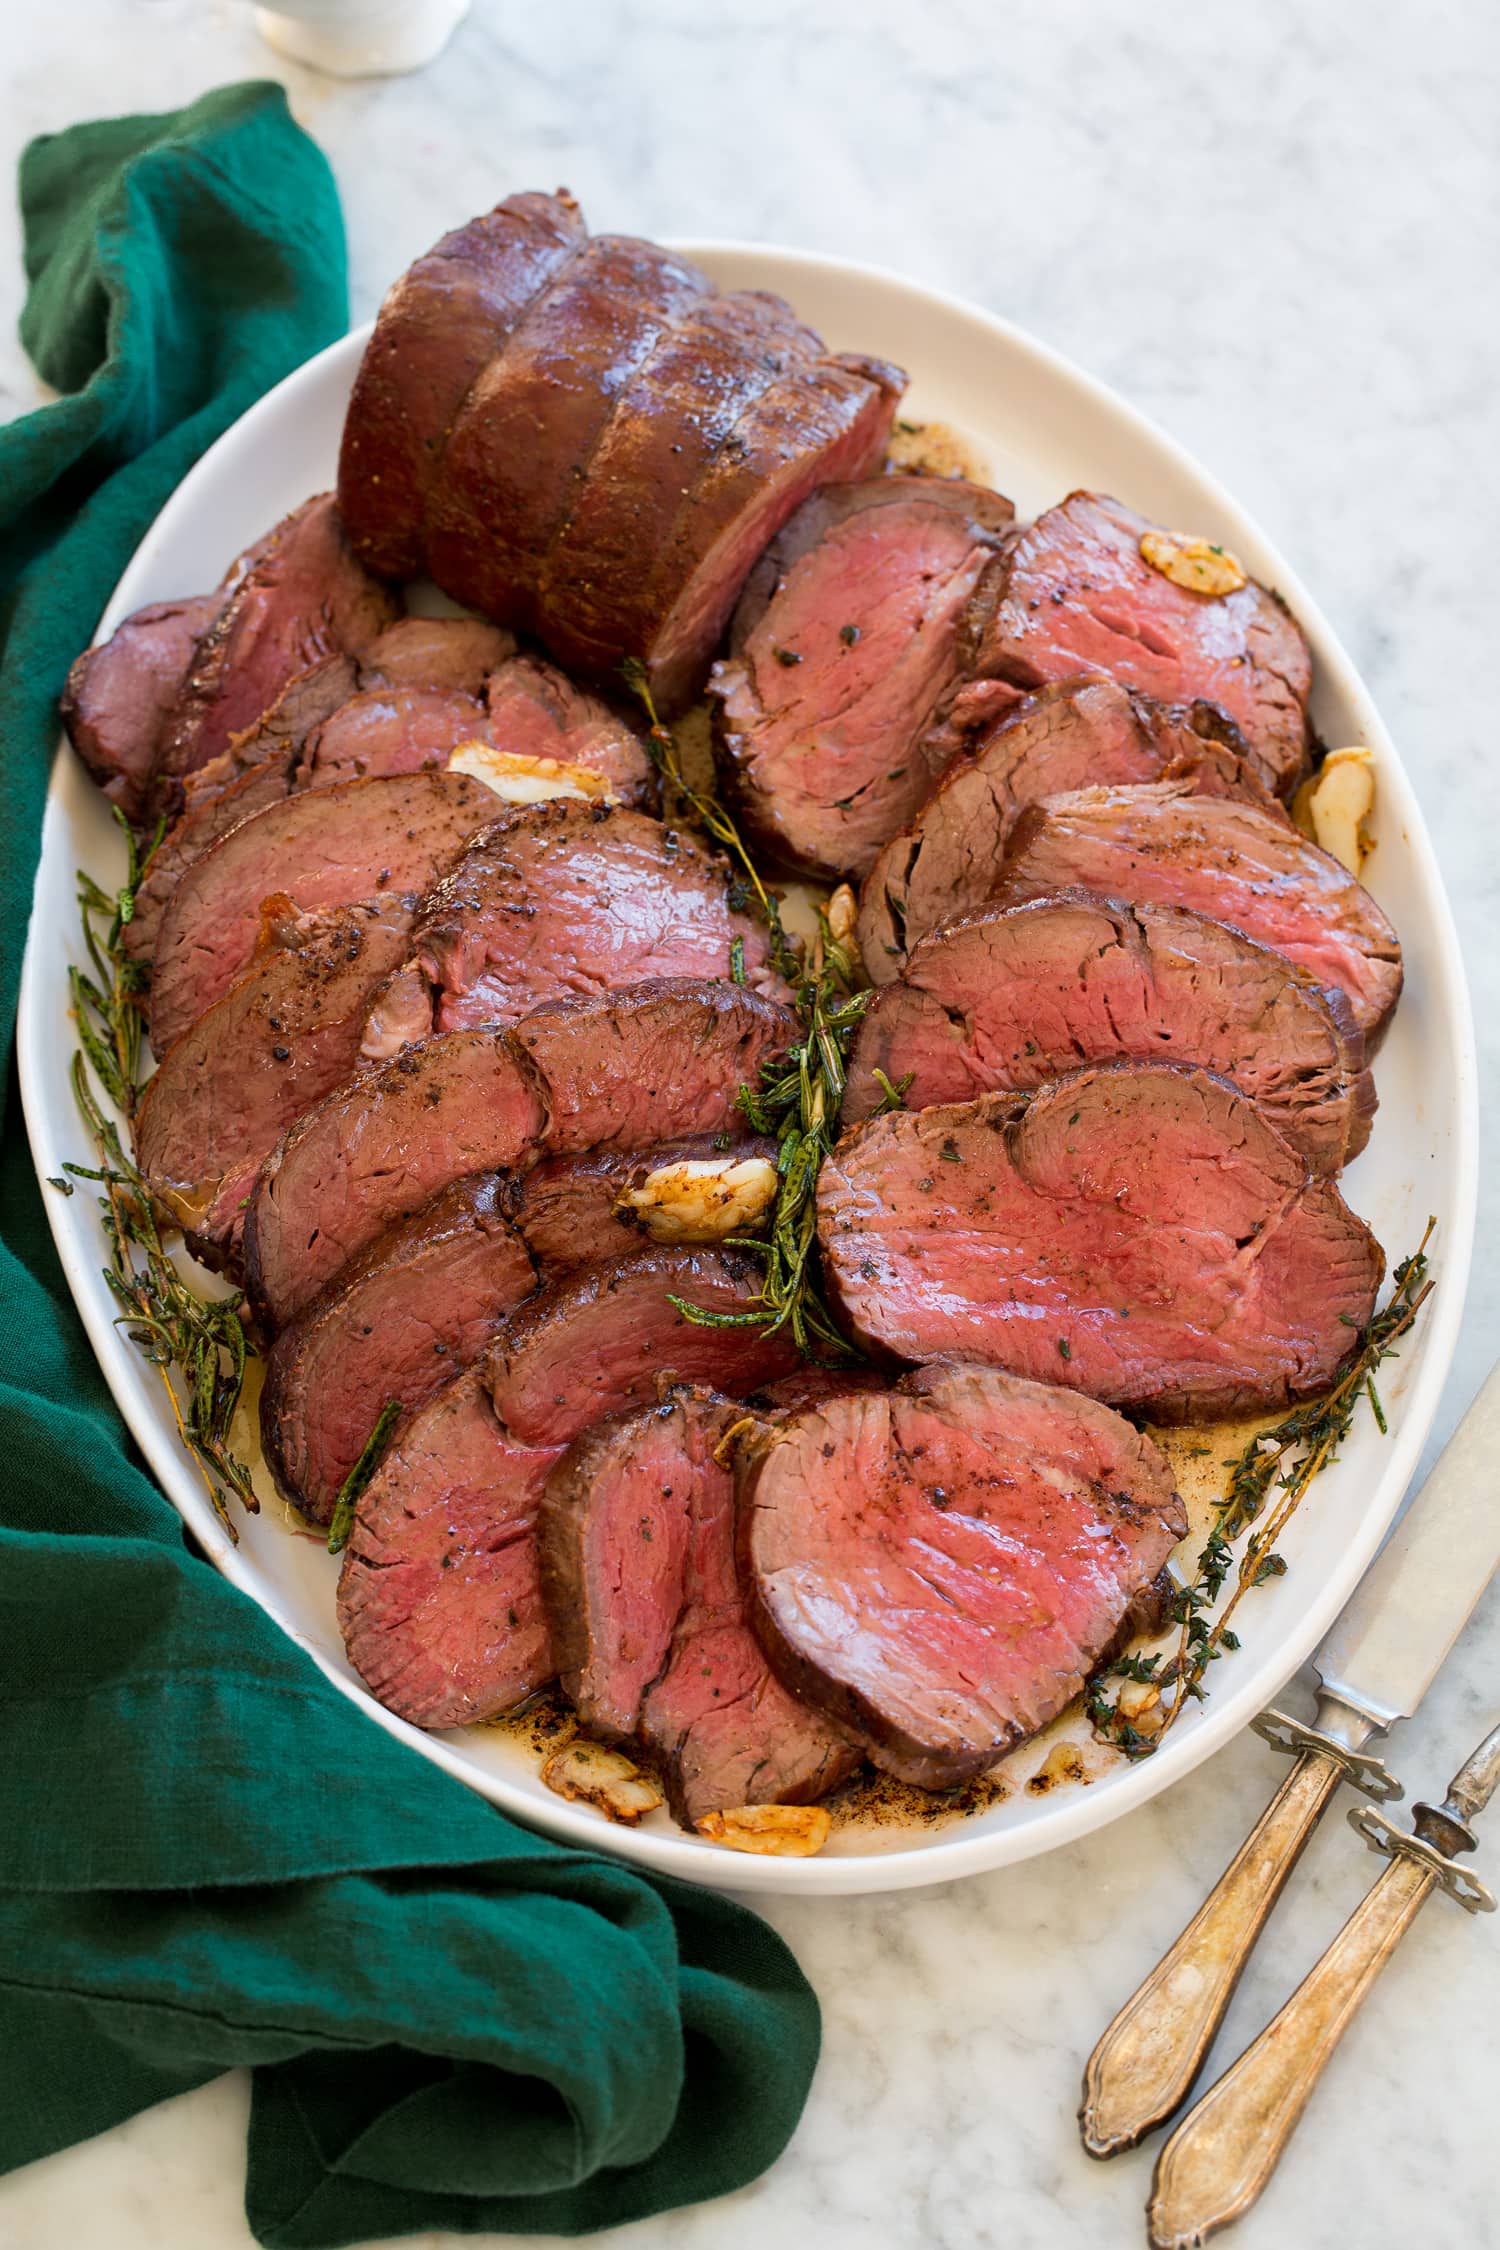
(1276, 230)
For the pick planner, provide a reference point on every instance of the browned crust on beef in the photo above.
(438, 329)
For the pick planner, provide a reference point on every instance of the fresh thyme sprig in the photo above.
(797, 1102)
(1282, 1461)
(202, 1339)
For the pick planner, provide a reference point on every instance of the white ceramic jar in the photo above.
(361, 38)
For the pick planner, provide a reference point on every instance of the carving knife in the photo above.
(1375, 1667)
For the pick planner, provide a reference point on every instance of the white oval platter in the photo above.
(1041, 428)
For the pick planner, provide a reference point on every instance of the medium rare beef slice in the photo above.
(258, 769)
(605, 1336)
(305, 597)
(453, 654)
(280, 1039)
(1136, 1231)
(421, 1304)
(120, 695)
(1233, 862)
(436, 332)
(371, 839)
(558, 899)
(847, 641)
(1075, 734)
(397, 729)
(1076, 593)
(374, 1152)
(629, 1070)
(824, 421)
(940, 1567)
(440, 1599)
(1006, 998)
(623, 1072)
(637, 1533)
(537, 712)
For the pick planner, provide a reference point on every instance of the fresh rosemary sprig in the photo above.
(797, 1102)
(202, 1339)
(359, 1478)
(1277, 1466)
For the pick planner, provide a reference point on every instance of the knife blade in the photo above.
(1382, 1655)
(1395, 1634)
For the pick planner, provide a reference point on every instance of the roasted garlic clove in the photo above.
(701, 1199)
(596, 1776)
(528, 781)
(841, 910)
(1336, 804)
(787, 1831)
(1196, 564)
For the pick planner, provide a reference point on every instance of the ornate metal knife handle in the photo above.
(1358, 1767)
(1221, 2156)
(1143, 2068)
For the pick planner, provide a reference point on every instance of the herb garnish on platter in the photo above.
(1276, 1466)
(797, 1103)
(198, 1344)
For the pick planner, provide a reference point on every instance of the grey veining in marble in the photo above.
(1276, 229)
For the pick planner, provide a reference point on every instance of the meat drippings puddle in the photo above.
(935, 449)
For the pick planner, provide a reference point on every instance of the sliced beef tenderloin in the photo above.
(603, 1337)
(1002, 1000)
(305, 597)
(255, 771)
(419, 1306)
(281, 1038)
(385, 730)
(436, 332)
(810, 1385)
(375, 1151)
(537, 712)
(1075, 734)
(1162, 846)
(120, 695)
(940, 1567)
(522, 444)
(440, 1599)
(1076, 593)
(629, 1070)
(331, 847)
(825, 421)
(1137, 1231)
(846, 643)
(456, 654)
(637, 1537)
(564, 898)
(624, 1072)
(569, 1208)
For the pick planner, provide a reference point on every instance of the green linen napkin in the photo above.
(208, 1856)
